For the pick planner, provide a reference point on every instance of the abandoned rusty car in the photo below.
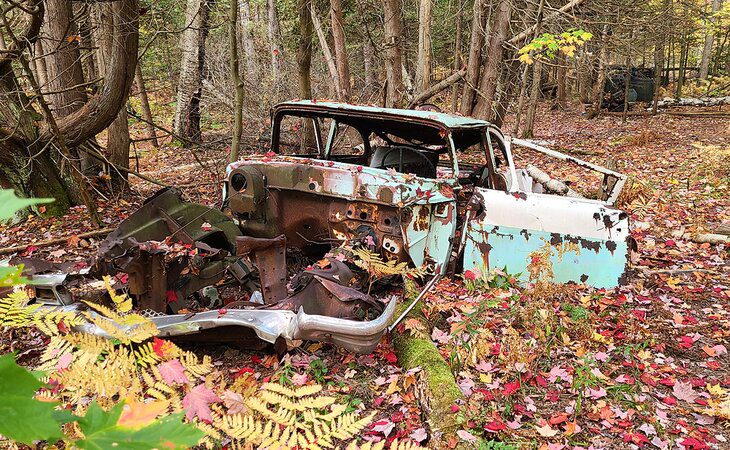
(311, 234)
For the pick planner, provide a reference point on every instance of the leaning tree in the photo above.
(42, 142)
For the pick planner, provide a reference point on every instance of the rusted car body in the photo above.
(344, 176)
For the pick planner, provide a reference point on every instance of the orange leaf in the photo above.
(137, 414)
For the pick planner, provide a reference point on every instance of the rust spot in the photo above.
(385, 194)
(520, 195)
(611, 246)
(525, 233)
(421, 222)
(583, 278)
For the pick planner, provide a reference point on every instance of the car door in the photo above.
(587, 241)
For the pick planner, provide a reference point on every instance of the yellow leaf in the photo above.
(672, 282)
(598, 337)
(716, 391)
(393, 387)
(485, 378)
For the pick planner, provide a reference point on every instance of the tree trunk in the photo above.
(338, 38)
(145, 101)
(24, 164)
(63, 63)
(478, 25)
(394, 90)
(367, 60)
(560, 79)
(329, 59)
(247, 40)
(118, 141)
(304, 55)
(457, 55)
(536, 80)
(186, 123)
(423, 63)
(236, 80)
(682, 65)
(40, 65)
(534, 96)
(601, 79)
(490, 77)
(709, 41)
(273, 32)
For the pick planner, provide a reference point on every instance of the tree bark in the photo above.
(338, 38)
(709, 41)
(479, 22)
(63, 63)
(236, 80)
(367, 62)
(145, 101)
(394, 89)
(186, 122)
(423, 63)
(490, 77)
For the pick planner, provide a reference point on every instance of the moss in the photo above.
(417, 350)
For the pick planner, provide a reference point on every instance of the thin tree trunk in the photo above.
(457, 54)
(479, 22)
(601, 79)
(118, 141)
(423, 63)
(536, 81)
(534, 96)
(247, 39)
(40, 65)
(304, 55)
(521, 99)
(367, 60)
(328, 58)
(394, 91)
(682, 65)
(273, 32)
(658, 66)
(190, 84)
(145, 101)
(560, 79)
(236, 80)
(709, 41)
(340, 45)
(490, 77)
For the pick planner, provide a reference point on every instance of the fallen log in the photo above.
(436, 386)
(551, 184)
(55, 241)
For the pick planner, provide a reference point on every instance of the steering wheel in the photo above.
(429, 170)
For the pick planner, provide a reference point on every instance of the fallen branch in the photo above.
(55, 241)
(710, 238)
(551, 184)
(436, 88)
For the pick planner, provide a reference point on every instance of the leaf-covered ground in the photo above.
(644, 366)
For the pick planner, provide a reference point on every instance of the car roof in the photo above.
(450, 121)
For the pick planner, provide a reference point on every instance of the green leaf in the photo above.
(102, 432)
(24, 419)
(11, 276)
(11, 203)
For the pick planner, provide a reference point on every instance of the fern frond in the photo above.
(15, 312)
(122, 303)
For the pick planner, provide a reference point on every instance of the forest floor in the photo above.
(643, 366)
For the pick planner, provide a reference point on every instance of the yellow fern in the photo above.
(15, 311)
(122, 303)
